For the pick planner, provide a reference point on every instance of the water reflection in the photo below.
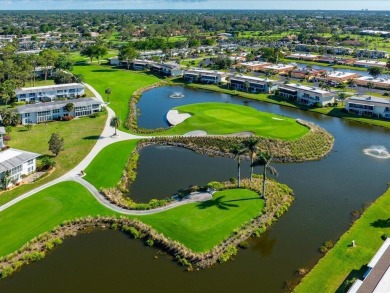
(264, 245)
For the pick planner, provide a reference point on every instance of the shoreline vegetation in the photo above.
(277, 202)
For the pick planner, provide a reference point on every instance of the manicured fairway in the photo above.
(43, 211)
(122, 83)
(220, 118)
(107, 167)
(201, 226)
(342, 260)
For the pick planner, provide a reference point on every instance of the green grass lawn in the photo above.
(80, 136)
(43, 211)
(122, 82)
(201, 226)
(343, 261)
(107, 167)
(221, 118)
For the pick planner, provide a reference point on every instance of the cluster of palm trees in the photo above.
(250, 147)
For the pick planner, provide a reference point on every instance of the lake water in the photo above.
(326, 192)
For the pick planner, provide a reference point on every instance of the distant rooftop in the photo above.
(306, 88)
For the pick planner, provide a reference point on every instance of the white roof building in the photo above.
(306, 95)
(368, 106)
(369, 63)
(383, 83)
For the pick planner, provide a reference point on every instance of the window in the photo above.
(56, 111)
(30, 162)
(26, 114)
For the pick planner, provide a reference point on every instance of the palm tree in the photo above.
(108, 92)
(370, 86)
(251, 145)
(341, 97)
(264, 159)
(115, 122)
(246, 85)
(238, 150)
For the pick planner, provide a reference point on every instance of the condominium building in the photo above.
(252, 84)
(306, 95)
(368, 106)
(49, 92)
(42, 112)
(204, 76)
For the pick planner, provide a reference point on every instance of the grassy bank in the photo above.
(80, 136)
(344, 262)
(106, 169)
(220, 119)
(201, 226)
(43, 211)
(122, 83)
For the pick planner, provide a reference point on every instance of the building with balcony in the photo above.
(306, 95)
(49, 92)
(43, 112)
(374, 54)
(14, 163)
(252, 84)
(204, 76)
(167, 69)
(368, 106)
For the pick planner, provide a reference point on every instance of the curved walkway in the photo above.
(106, 138)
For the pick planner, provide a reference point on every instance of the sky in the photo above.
(194, 4)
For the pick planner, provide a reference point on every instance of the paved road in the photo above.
(106, 138)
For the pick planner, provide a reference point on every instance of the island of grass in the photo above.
(198, 232)
(222, 119)
(344, 263)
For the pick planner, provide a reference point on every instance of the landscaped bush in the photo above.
(132, 231)
(7, 137)
(67, 118)
(228, 254)
(328, 245)
(46, 164)
(15, 104)
(215, 185)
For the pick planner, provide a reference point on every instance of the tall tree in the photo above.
(251, 145)
(342, 96)
(108, 92)
(89, 52)
(375, 71)
(264, 159)
(7, 90)
(115, 122)
(100, 51)
(56, 144)
(48, 59)
(238, 150)
(127, 53)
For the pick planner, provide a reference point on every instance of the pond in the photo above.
(326, 192)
